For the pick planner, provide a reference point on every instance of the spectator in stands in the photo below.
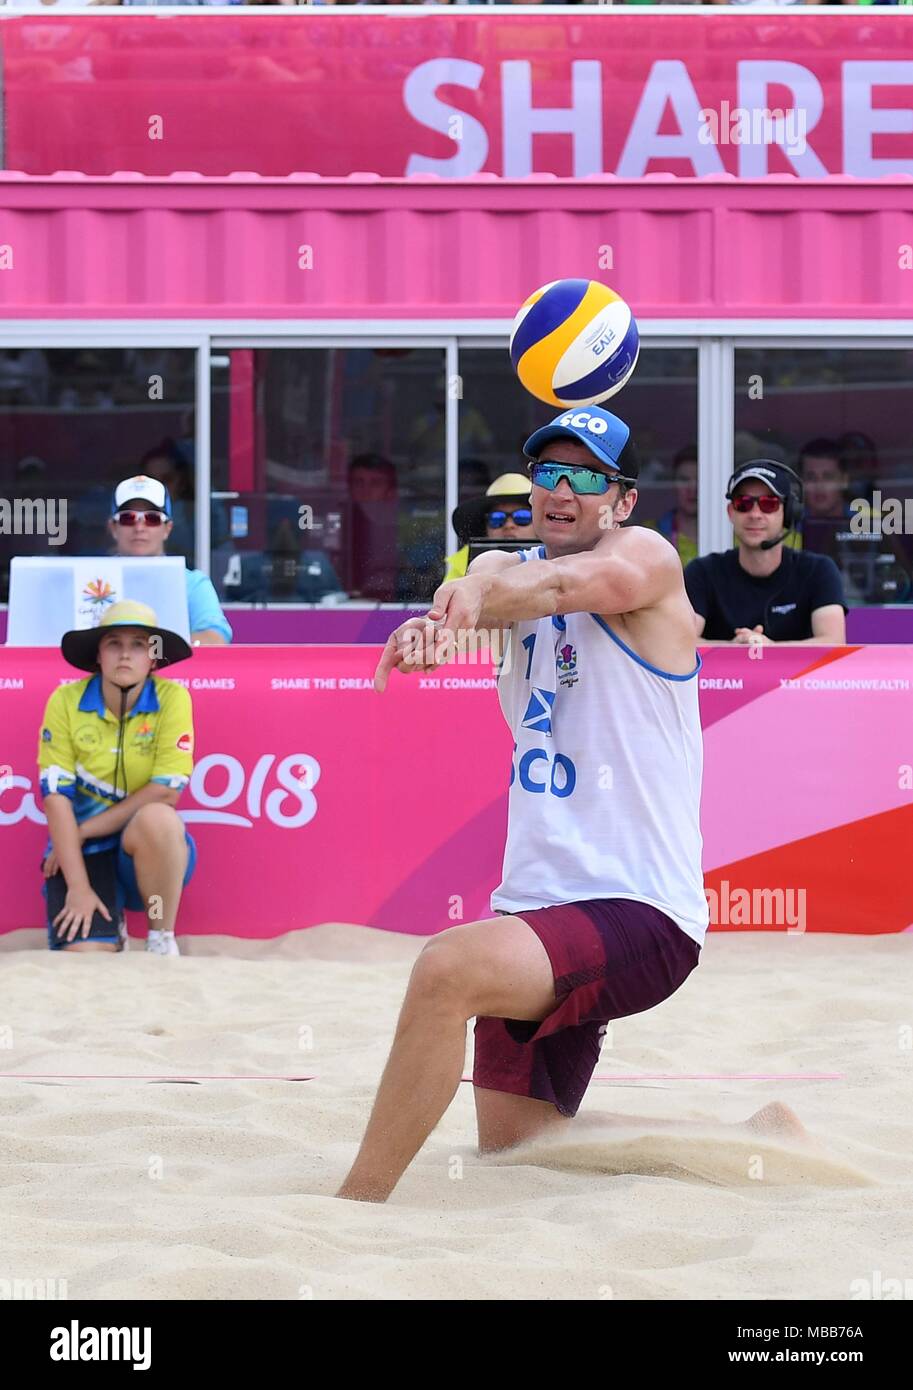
(24, 376)
(372, 478)
(30, 481)
(140, 525)
(504, 513)
(474, 477)
(374, 490)
(679, 523)
(166, 463)
(825, 479)
(115, 753)
(426, 437)
(760, 591)
(859, 456)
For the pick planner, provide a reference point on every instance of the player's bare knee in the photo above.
(156, 824)
(440, 977)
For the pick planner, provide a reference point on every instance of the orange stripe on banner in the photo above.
(853, 876)
(835, 654)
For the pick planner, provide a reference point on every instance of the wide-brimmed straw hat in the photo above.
(469, 517)
(80, 645)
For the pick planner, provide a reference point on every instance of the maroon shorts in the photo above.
(610, 958)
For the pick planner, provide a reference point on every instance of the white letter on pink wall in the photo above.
(669, 81)
(582, 120)
(861, 120)
(426, 108)
(755, 80)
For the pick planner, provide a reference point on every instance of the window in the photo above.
(73, 423)
(843, 418)
(659, 403)
(328, 474)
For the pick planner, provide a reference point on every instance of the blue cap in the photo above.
(598, 430)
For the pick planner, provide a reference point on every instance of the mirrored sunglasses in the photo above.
(521, 516)
(582, 480)
(128, 518)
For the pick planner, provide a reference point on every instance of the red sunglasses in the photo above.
(147, 518)
(746, 502)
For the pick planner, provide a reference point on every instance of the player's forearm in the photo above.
(530, 590)
(115, 818)
(64, 833)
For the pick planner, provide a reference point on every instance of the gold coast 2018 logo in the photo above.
(97, 596)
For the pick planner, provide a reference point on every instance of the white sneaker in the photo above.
(122, 933)
(162, 943)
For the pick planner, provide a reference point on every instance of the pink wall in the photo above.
(306, 810)
(188, 246)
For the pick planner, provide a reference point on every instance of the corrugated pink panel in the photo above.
(189, 246)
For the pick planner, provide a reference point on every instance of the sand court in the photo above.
(163, 1184)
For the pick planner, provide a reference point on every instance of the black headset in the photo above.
(793, 502)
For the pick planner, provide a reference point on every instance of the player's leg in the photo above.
(504, 1120)
(499, 967)
(610, 959)
(156, 842)
(103, 935)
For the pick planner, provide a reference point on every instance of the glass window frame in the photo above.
(810, 336)
(715, 341)
(137, 334)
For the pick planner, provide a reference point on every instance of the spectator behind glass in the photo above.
(502, 514)
(761, 591)
(24, 376)
(825, 480)
(167, 464)
(30, 484)
(859, 456)
(140, 525)
(426, 437)
(679, 523)
(474, 477)
(374, 490)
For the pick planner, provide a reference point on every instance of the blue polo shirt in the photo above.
(203, 605)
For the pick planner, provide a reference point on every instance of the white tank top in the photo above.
(605, 782)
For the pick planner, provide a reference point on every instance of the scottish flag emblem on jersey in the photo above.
(538, 716)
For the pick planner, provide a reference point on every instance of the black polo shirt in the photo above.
(727, 596)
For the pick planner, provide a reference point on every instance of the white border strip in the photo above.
(220, 334)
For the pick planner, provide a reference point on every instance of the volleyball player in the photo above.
(602, 912)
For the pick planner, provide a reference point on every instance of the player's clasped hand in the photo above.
(421, 644)
(75, 916)
(416, 645)
(752, 637)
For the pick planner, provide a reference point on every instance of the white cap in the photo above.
(142, 488)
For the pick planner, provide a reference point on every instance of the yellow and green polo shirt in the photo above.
(78, 746)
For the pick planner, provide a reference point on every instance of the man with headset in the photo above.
(762, 591)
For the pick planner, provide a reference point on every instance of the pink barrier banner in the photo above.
(573, 94)
(314, 799)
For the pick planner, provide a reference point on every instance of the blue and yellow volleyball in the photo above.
(574, 342)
